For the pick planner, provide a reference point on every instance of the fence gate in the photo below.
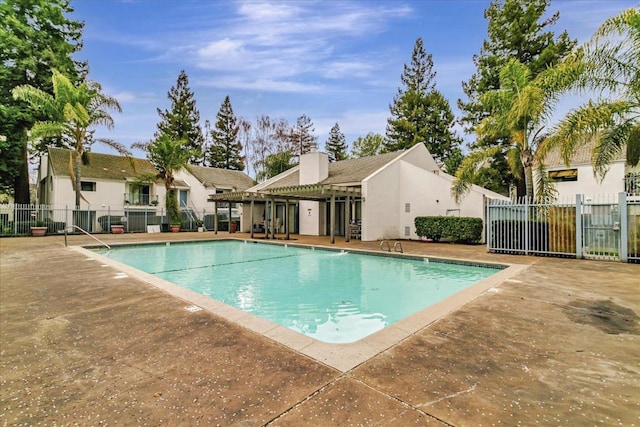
(604, 227)
(600, 218)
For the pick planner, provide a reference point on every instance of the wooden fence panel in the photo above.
(562, 229)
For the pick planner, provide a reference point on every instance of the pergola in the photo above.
(314, 192)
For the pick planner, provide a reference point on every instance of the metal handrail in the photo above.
(395, 247)
(85, 232)
(388, 246)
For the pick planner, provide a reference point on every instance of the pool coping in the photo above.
(342, 357)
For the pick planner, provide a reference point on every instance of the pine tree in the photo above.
(36, 36)
(419, 113)
(516, 29)
(182, 120)
(440, 137)
(225, 150)
(301, 137)
(336, 145)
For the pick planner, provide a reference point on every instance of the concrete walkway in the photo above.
(558, 344)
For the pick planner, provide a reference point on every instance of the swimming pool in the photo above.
(331, 296)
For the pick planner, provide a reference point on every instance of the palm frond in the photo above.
(585, 123)
(545, 188)
(115, 145)
(608, 146)
(467, 172)
(514, 162)
(144, 146)
(47, 130)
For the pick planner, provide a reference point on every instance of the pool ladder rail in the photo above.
(85, 232)
(386, 246)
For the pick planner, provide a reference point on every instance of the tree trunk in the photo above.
(77, 162)
(528, 175)
(21, 183)
(526, 158)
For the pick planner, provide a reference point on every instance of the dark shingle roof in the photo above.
(215, 177)
(344, 171)
(101, 166)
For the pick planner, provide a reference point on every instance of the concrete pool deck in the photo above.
(82, 343)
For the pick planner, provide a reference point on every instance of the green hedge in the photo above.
(457, 229)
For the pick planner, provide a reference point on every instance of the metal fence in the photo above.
(605, 227)
(17, 220)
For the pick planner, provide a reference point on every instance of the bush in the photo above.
(457, 229)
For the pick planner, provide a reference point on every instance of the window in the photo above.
(407, 231)
(564, 175)
(407, 207)
(87, 186)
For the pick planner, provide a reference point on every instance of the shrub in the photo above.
(457, 229)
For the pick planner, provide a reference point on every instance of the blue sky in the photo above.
(335, 61)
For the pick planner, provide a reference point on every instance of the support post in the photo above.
(579, 253)
(624, 227)
(347, 223)
(286, 219)
(273, 219)
(251, 218)
(526, 225)
(215, 217)
(332, 219)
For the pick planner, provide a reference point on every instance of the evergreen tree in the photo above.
(301, 137)
(336, 145)
(182, 121)
(35, 37)
(419, 113)
(225, 150)
(369, 145)
(516, 29)
(440, 137)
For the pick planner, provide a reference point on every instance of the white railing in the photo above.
(595, 227)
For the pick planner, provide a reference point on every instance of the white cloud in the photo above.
(354, 123)
(221, 49)
(267, 12)
(261, 84)
(339, 69)
(127, 97)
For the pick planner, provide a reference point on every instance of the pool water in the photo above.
(332, 296)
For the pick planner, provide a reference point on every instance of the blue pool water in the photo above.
(332, 296)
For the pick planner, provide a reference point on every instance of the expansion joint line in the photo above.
(303, 400)
(400, 401)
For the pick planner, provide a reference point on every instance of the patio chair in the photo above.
(276, 225)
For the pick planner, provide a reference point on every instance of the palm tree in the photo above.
(71, 110)
(519, 109)
(610, 65)
(168, 156)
